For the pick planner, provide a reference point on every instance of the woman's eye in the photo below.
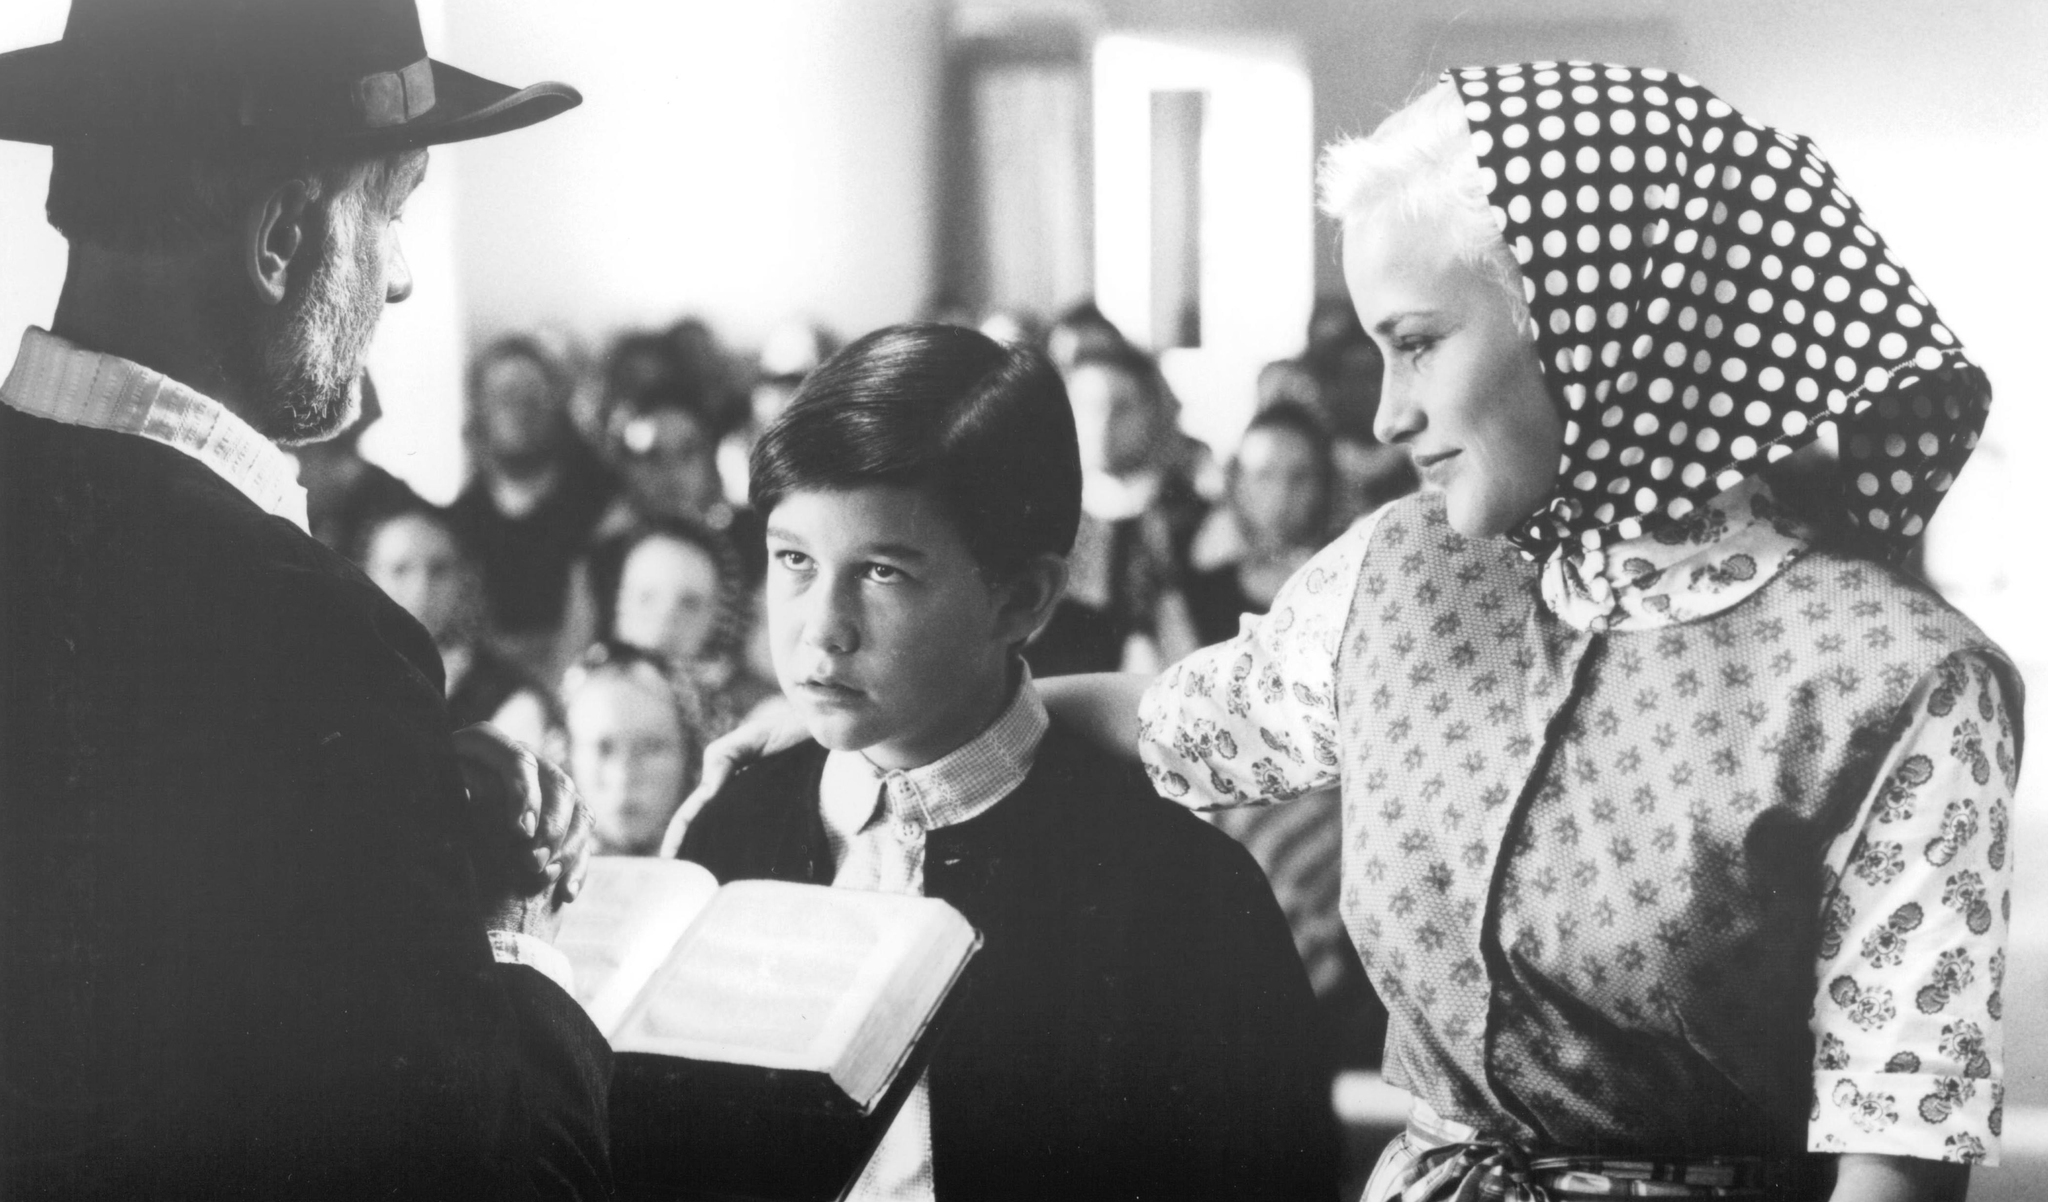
(795, 561)
(882, 573)
(1415, 345)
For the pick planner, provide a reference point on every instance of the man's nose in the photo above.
(397, 274)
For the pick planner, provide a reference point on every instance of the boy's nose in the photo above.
(829, 626)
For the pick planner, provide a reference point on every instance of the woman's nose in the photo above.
(1399, 418)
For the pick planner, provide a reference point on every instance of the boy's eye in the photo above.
(882, 573)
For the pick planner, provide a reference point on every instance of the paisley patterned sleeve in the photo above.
(1908, 1045)
(1254, 719)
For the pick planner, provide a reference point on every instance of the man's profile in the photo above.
(260, 940)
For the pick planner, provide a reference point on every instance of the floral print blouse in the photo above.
(1906, 1009)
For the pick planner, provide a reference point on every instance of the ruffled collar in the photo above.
(1688, 569)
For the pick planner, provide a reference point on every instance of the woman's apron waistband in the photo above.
(1439, 1159)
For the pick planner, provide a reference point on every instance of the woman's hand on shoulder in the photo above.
(775, 725)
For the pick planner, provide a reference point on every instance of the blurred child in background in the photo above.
(419, 556)
(631, 750)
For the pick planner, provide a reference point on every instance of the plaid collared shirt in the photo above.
(876, 822)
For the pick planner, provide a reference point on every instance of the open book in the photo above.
(765, 973)
(767, 1031)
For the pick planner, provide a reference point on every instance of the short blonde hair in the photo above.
(1420, 163)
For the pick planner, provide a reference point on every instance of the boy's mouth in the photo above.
(822, 689)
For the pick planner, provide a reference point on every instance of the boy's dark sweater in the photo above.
(1137, 1025)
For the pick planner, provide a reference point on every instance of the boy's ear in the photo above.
(1030, 597)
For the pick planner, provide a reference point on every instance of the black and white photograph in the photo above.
(964, 600)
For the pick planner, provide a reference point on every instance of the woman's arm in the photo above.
(1909, 981)
(1862, 1177)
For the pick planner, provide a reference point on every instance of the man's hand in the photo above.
(772, 727)
(530, 833)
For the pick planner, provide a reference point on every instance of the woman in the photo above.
(1675, 828)
(1278, 497)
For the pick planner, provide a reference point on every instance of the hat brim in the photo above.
(41, 88)
(469, 106)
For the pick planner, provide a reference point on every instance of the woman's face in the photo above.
(627, 757)
(1116, 418)
(1462, 389)
(668, 599)
(1280, 487)
(419, 566)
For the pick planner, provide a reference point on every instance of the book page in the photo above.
(787, 976)
(623, 926)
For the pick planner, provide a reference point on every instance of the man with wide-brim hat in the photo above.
(259, 938)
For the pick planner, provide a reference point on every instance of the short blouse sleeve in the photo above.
(1908, 1042)
(1254, 719)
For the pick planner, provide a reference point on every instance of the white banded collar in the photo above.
(63, 382)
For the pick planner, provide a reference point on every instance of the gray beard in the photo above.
(305, 357)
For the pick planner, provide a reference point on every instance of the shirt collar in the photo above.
(951, 789)
(64, 382)
(1698, 566)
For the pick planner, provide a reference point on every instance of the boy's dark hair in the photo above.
(986, 427)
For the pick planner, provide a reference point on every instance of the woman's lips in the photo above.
(1430, 465)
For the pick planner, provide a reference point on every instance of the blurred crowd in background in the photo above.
(595, 590)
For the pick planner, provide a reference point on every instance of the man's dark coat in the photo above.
(1138, 1026)
(240, 950)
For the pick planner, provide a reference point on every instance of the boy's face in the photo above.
(885, 634)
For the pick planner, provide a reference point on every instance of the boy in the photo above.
(1137, 1024)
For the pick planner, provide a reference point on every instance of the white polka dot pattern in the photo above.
(1705, 299)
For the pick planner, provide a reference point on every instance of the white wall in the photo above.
(31, 253)
(745, 161)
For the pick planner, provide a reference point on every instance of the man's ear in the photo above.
(277, 234)
(1028, 599)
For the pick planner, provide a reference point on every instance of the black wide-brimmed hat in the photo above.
(345, 74)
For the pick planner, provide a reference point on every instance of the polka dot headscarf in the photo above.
(1705, 298)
